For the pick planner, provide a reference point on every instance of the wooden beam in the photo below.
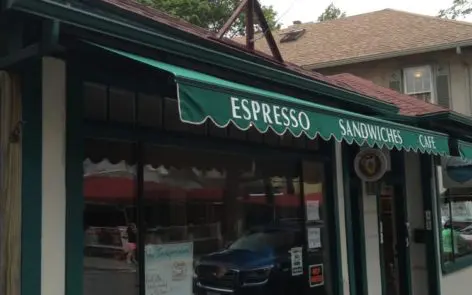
(250, 24)
(50, 33)
(267, 33)
(231, 20)
(30, 51)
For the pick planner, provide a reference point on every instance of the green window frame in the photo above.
(452, 256)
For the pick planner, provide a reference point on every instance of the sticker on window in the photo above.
(316, 274)
(297, 261)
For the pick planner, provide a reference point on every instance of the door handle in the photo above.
(407, 234)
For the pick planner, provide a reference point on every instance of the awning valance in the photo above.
(203, 97)
(465, 149)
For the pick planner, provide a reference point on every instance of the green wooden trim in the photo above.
(380, 230)
(438, 224)
(355, 234)
(202, 142)
(331, 196)
(164, 41)
(454, 117)
(346, 168)
(401, 216)
(428, 178)
(74, 183)
(20, 55)
(31, 200)
(460, 263)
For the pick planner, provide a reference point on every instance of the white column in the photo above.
(342, 219)
(53, 177)
(372, 238)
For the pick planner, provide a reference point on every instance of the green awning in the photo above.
(465, 149)
(203, 97)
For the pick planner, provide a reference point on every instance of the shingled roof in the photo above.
(370, 36)
(163, 18)
(408, 106)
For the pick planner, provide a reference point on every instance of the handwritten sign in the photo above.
(169, 269)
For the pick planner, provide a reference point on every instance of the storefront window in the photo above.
(110, 262)
(455, 188)
(212, 223)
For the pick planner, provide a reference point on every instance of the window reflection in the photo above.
(109, 224)
(229, 224)
(456, 231)
(212, 222)
(455, 188)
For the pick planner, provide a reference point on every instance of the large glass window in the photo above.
(455, 189)
(110, 243)
(211, 222)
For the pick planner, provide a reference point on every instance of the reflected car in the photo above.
(259, 262)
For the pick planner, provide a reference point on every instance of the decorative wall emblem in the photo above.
(370, 164)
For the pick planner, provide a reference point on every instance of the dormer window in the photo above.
(292, 35)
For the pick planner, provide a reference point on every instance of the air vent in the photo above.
(292, 36)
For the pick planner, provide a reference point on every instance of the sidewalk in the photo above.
(107, 264)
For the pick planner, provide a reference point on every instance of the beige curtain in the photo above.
(10, 185)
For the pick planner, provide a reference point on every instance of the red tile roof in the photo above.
(408, 105)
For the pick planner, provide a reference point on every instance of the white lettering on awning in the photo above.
(369, 131)
(427, 141)
(252, 110)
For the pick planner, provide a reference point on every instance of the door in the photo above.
(388, 242)
(394, 242)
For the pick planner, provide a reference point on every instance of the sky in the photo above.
(309, 10)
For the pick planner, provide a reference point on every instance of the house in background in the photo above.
(422, 56)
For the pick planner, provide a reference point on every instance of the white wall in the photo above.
(372, 249)
(342, 219)
(380, 71)
(419, 272)
(53, 177)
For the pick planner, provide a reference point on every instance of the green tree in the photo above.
(458, 9)
(331, 12)
(210, 14)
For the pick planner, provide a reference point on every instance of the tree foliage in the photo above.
(210, 14)
(331, 12)
(458, 9)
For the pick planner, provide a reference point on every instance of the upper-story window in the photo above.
(419, 82)
(426, 82)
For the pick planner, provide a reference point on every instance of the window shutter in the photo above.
(395, 81)
(442, 85)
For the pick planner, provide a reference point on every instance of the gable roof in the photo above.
(408, 105)
(370, 36)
